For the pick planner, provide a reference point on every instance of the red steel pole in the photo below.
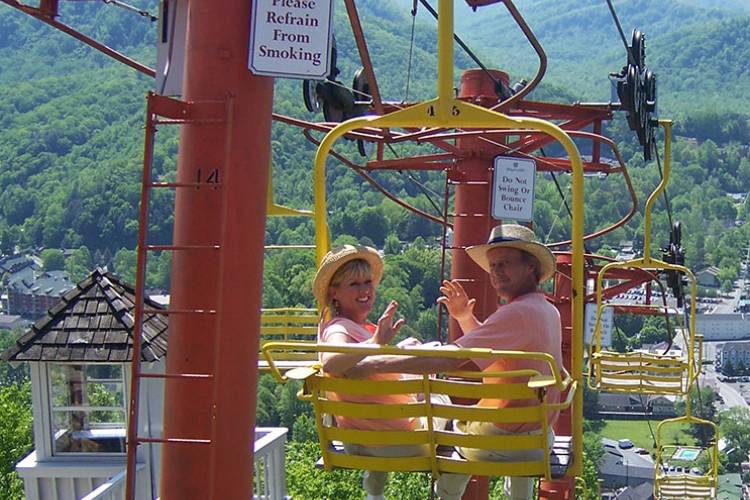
(472, 223)
(232, 158)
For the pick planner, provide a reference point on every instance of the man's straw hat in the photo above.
(339, 256)
(515, 236)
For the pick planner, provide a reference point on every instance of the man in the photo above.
(526, 321)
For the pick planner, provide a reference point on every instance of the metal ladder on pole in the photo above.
(163, 110)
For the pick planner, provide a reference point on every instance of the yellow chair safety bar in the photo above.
(430, 446)
(683, 481)
(290, 323)
(446, 111)
(642, 372)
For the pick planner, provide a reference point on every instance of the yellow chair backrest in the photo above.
(289, 324)
(431, 403)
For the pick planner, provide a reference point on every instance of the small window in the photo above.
(87, 404)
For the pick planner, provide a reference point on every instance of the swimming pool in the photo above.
(687, 454)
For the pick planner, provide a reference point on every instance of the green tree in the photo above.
(735, 428)
(53, 259)
(79, 264)
(15, 436)
(703, 403)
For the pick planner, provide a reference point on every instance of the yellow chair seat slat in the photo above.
(287, 365)
(477, 468)
(488, 414)
(310, 331)
(509, 442)
(645, 377)
(641, 389)
(382, 464)
(461, 389)
(642, 368)
(371, 410)
(345, 386)
(283, 317)
(639, 358)
(300, 356)
(415, 437)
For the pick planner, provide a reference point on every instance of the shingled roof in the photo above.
(92, 323)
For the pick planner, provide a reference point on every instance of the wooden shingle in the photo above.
(92, 322)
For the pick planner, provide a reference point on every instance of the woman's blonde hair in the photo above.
(356, 268)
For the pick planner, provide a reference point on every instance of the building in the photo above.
(622, 467)
(31, 291)
(723, 326)
(708, 277)
(734, 353)
(79, 354)
(11, 321)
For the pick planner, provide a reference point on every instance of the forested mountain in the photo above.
(71, 146)
(71, 138)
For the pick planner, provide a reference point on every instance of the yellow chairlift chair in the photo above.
(646, 372)
(438, 443)
(676, 477)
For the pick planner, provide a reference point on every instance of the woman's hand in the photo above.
(409, 342)
(386, 328)
(455, 299)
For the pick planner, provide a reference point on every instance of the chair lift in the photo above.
(646, 372)
(685, 481)
(438, 442)
(446, 111)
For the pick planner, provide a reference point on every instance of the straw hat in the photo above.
(339, 256)
(515, 236)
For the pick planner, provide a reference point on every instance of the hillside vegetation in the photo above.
(71, 146)
(699, 54)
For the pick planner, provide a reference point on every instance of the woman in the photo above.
(345, 287)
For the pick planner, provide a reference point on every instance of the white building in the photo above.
(723, 326)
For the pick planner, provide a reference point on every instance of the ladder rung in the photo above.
(456, 248)
(182, 247)
(469, 183)
(172, 440)
(467, 215)
(182, 184)
(182, 121)
(179, 311)
(280, 247)
(200, 376)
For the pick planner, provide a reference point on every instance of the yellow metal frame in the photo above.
(458, 384)
(686, 485)
(289, 323)
(445, 111)
(645, 373)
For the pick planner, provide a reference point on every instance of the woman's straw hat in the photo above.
(339, 256)
(515, 236)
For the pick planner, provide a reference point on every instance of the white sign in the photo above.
(607, 323)
(291, 38)
(513, 188)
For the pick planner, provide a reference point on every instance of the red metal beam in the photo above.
(46, 13)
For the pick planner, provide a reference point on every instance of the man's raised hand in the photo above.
(455, 299)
